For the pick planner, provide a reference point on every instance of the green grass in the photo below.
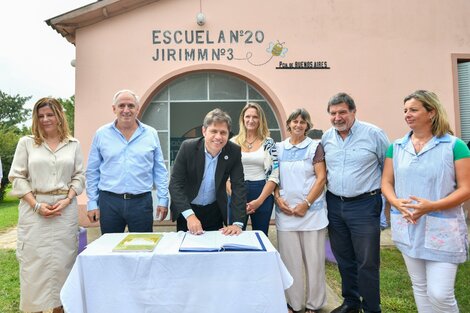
(395, 284)
(396, 293)
(8, 212)
(9, 281)
(9, 284)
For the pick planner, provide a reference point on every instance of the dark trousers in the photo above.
(354, 232)
(209, 216)
(116, 213)
(260, 219)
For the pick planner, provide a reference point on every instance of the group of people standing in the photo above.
(219, 183)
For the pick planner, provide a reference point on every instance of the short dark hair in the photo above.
(217, 116)
(339, 98)
(305, 116)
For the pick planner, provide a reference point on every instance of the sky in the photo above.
(34, 58)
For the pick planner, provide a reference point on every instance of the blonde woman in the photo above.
(260, 166)
(426, 180)
(46, 174)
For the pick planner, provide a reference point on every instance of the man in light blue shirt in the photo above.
(124, 165)
(354, 155)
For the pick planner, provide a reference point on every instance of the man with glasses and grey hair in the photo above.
(354, 156)
(124, 165)
(198, 179)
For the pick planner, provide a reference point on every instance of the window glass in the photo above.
(272, 122)
(224, 87)
(156, 115)
(162, 95)
(464, 99)
(315, 133)
(163, 137)
(178, 110)
(189, 87)
(182, 122)
(253, 94)
(276, 135)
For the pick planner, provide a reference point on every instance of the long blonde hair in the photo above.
(62, 125)
(263, 130)
(440, 123)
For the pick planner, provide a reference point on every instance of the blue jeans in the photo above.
(261, 218)
(116, 213)
(354, 232)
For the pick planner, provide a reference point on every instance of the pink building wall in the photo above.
(377, 51)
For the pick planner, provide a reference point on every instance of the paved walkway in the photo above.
(8, 238)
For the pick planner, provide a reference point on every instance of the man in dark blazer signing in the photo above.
(198, 180)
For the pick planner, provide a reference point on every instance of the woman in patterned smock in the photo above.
(426, 181)
(46, 174)
(260, 166)
(301, 215)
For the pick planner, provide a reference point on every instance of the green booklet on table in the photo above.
(138, 242)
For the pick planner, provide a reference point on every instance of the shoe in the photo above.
(291, 310)
(311, 311)
(344, 308)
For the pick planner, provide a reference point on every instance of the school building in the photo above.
(186, 57)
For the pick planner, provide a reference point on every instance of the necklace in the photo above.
(419, 144)
(54, 141)
(250, 144)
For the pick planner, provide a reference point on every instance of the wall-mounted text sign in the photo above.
(206, 45)
(191, 39)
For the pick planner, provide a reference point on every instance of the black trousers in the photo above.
(209, 216)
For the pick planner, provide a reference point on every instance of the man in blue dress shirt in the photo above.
(354, 155)
(198, 180)
(124, 165)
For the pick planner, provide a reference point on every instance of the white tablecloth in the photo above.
(167, 281)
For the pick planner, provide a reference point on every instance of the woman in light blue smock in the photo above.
(301, 214)
(426, 181)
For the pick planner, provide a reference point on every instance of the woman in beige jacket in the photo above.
(46, 174)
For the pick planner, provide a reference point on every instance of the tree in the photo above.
(12, 111)
(69, 108)
(8, 141)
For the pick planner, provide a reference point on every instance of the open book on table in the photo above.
(213, 241)
(138, 242)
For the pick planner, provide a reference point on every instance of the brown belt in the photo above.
(53, 193)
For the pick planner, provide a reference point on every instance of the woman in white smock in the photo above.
(301, 215)
(46, 174)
